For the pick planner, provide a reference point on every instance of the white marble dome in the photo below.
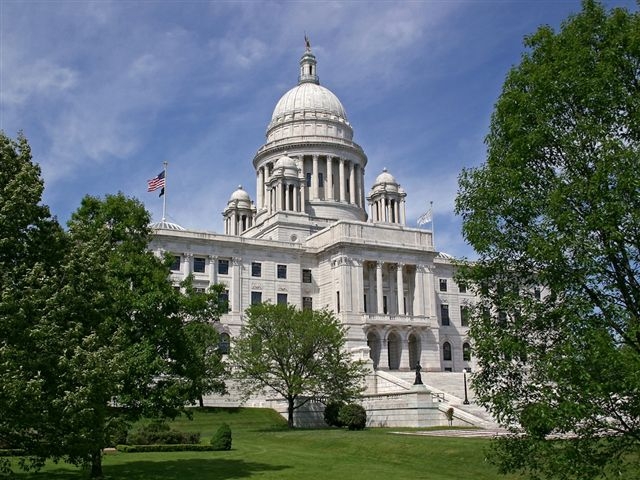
(386, 181)
(309, 97)
(288, 165)
(241, 197)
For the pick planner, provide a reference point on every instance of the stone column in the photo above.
(260, 188)
(379, 290)
(286, 196)
(213, 271)
(328, 187)
(295, 198)
(400, 284)
(372, 290)
(314, 178)
(358, 192)
(396, 211)
(418, 295)
(357, 284)
(236, 273)
(303, 189)
(403, 212)
(352, 183)
(341, 175)
(361, 177)
(430, 297)
(186, 261)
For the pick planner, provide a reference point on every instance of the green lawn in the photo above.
(263, 448)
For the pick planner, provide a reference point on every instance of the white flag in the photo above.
(426, 217)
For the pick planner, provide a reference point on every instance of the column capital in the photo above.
(213, 257)
(236, 260)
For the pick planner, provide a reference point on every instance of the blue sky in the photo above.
(105, 91)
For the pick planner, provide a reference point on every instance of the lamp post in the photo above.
(466, 399)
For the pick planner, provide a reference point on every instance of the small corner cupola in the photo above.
(387, 200)
(308, 62)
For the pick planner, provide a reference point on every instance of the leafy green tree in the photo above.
(206, 370)
(554, 216)
(300, 354)
(30, 245)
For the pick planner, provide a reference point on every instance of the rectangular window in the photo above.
(199, 290)
(223, 267)
(282, 271)
(384, 304)
(462, 287)
(175, 265)
(256, 297)
(365, 303)
(308, 179)
(338, 301)
(306, 276)
(256, 269)
(320, 180)
(444, 315)
(464, 315)
(307, 303)
(536, 293)
(282, 299)
(198, 264)
(443, 284)
(224, 300)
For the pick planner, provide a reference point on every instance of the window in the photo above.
(198, 264)
(338, 301)
(306, 276)
(365, 303)
(320, 180)
(223, 267)
(256, 269)
(443, 284)
(225, 343)
(282, 271)
(464, 315)
(224, 300)
(444, 314)
(307, 303)
(282, 299)
(502, 319)
(536, 293)
(462, 287)
(256, 298)
(175, 265)
(384, 304)
(446, 351)
(308, 179)
(199, 290)
(466, 352)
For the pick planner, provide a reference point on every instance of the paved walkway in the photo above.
(474, 433)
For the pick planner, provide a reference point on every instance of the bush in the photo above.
(165, 448)
(353, 416)
(332, 414)
(159, 433)
(221, 440)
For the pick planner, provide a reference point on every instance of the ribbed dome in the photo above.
(241, 197)
(308, 97)
(288, 165)
(385, 177)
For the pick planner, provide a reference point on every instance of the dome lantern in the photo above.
(308, 63)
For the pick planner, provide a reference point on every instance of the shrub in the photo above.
(353, 416)
(159, 433)
(221, 440)
(332, 414)
(165, 448)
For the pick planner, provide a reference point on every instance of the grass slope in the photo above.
(263, 448)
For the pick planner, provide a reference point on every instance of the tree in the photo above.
(300, 354)
(30, 244)
(554, 216)
(93, 334)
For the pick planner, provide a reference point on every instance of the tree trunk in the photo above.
(201, 400)
(291, 401)
(96, 464)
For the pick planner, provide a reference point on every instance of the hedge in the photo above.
(181, 447)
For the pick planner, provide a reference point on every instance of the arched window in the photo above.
(225, 343)
(466, 352)
(446, 351)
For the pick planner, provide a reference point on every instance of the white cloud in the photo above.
(42, 78)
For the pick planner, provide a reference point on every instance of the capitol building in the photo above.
(313, 234)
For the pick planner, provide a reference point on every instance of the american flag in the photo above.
(156, 182)
(426, 217)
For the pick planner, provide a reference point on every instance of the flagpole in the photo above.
(433, 226)
(164, 197)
